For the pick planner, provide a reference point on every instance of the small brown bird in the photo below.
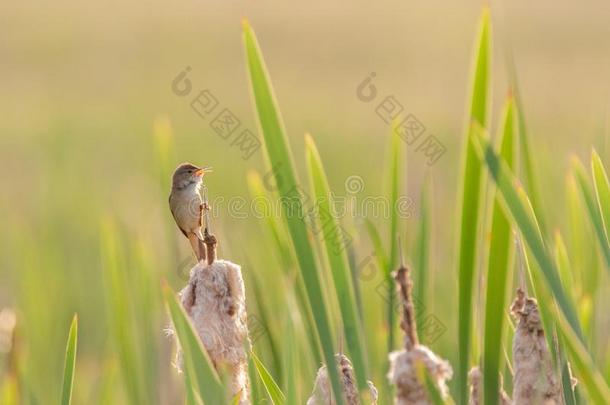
(187, 206)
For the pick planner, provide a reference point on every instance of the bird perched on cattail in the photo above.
(187, 206)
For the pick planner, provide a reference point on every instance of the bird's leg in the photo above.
(201, 246)
(196, 244)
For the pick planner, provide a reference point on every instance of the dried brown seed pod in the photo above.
(406, 364)
(322, 391)
(535, 380)
(476, 393)
(215, 301)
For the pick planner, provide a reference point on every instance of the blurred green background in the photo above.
(83, 85)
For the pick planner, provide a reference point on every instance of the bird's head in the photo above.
(187, 174)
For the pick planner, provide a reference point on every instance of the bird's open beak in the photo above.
(201, 172)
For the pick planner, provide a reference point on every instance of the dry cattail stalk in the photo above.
(535, 380)
(405, 364)
(215, 300)
(322, 391)
(476, 393)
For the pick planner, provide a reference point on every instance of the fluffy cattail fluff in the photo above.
(215, 300)
(405, 365)
(322, 391)
(535, 381)
(474, 376)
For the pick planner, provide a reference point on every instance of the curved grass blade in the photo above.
(602, 192)
(586, 265)
(189, 395)
(422, 253)
(273, 390)
(592, 208)
(291, 361)
(278, 232)
(120, 306)
(394, 180)
(70, 362)
(266, 318)
(587, 372)
(333, 233)
(470, 201)
(515, 204)
(563, 265)
(585, 368)
(279, 235)
(280, 159)
(196, 361)
(432, 390)
(498, 273)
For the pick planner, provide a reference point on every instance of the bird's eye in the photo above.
(190, 171)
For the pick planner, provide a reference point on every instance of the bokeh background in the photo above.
(90, 130)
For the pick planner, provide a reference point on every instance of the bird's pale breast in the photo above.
(186, 208)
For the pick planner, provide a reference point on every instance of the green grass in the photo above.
(306, 299)
(336, 255)
(70, 362)
(280, 159)
(470, 200)
(499, 272)
(197, 365)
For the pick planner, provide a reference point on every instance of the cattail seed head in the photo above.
(535, 380)
(404, 286)
(476, 392)
(215, 301)
(405, 365)
(322, 391)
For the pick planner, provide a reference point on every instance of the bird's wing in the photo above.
(174, 215)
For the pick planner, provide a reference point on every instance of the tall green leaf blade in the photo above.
(470, 200)
(70, 362)
(278, 232)
(394, 178)
(586, 265)
(197, 364)
(516, 205)
(592, 208)
(120, 304)
(291, 361)
(273, 390)
(498, 274)
(585, 368)
(280, 240)
(563, 265)
(337, 258)
(189, 394)
(280, 159)
(602, 192)
(422, 254)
